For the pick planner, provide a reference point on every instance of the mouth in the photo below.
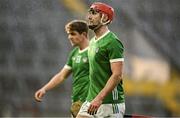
(90, 22)
(71, 43)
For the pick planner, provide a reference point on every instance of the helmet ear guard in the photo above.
(104, 22)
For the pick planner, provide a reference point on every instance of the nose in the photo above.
(89, 16)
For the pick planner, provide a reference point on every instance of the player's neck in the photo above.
(99, 32)
(84, 44)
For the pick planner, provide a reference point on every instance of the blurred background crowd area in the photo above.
(34, 47)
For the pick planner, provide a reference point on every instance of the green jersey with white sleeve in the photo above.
(102, 52)
(79, 65)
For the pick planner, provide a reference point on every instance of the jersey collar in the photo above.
(102, 36)
(83, 50)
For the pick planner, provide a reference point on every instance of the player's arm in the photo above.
(56, 80)
(115, 78)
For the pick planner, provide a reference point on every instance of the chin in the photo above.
(92, 27)
(73, 45)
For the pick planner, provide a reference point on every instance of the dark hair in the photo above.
(77, 25)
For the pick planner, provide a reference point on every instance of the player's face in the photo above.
(93, 18)
(74, 37)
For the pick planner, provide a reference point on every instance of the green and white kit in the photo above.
(102, 52)
(79, 65)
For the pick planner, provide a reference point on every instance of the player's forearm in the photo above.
(110, 85)
(56, 80)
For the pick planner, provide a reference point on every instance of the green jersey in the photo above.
(102, 52)
(78, 63)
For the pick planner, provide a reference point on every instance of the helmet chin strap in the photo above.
(97, 27)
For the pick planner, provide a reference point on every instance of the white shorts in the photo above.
(105, 110)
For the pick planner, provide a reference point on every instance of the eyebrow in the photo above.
(95, 10)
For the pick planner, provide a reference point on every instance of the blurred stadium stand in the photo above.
(34, 46)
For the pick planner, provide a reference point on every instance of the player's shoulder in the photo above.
(112, 36)
(92, 39)
(113, 39)
(74, 50)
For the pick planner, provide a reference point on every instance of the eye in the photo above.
(92, 11)
(71, 33)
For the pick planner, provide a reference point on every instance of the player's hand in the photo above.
(39, 94)
(93, 108)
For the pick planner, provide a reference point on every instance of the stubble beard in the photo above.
(95, 27)
(92, 27)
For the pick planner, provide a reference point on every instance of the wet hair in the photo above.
(77, 25)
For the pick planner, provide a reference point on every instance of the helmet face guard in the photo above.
(102, 8)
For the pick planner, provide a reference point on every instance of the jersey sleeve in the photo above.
(68, 64)
(115, 51)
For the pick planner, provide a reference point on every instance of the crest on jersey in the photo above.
(73, 58)
(85, 59)
(96, 50)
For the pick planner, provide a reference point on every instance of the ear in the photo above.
(84, 34)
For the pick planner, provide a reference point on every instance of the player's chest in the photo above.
(80, 59)
(97, 52)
